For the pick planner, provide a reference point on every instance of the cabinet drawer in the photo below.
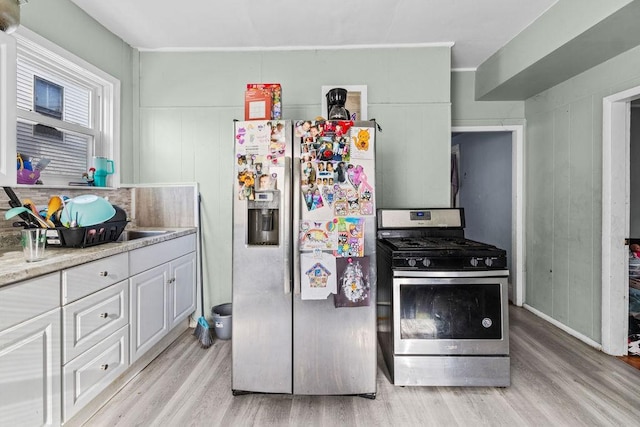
(86, 279)
(87, 375)
(28, 299)
(148, 257)
(91, 319)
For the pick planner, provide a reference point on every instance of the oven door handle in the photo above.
(438, 274)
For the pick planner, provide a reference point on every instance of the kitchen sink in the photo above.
(128, 235)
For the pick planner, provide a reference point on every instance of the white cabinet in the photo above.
(65, 337)
(85, 279)
(8, 82)
(88, 374)
(95, 329)
(30, 352)
(149, 300)
(163, 293)
(88, 321)
(182, 289)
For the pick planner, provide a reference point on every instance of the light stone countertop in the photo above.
(13, 267)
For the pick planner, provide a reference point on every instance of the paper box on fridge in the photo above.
(257, 104)
(275, 91)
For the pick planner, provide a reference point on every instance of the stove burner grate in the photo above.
(430, 243)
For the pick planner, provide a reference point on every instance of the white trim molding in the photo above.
(564, 327)
(517, 203)
(615, 220)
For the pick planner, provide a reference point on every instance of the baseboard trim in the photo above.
(564, 327)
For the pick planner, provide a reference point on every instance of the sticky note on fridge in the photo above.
(318, 278)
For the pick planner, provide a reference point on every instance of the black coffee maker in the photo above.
(336, 99)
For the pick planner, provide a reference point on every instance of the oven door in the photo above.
(465, 315)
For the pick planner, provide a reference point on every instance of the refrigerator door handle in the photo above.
(285, 202)
(296, 223)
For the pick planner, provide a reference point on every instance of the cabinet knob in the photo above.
(104, 367)
(104, 315)
(104, 273)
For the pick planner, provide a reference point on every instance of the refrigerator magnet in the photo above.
(317, 235)
(316, 199)
(302, 128)
(337, 127)
(312, 197)
(355, 175)
(327, 193)
(340, 173)
(340, 208)
(353, 282)
(318, 279)
(308, 173)
(362, 143)
(350, 236)
(256, 137)
(240, 135)
(246, 183)
(366, 199)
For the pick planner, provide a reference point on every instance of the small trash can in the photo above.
(222, 320)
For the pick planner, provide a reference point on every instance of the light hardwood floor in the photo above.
(556, 380)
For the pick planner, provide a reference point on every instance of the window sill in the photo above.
(73, 187)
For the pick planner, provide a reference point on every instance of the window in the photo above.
(47, 98)
(67, 110)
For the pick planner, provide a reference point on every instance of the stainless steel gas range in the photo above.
(442, 301)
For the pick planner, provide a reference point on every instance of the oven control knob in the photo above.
(488, 262)
(474, 262)
(426, 262)
(411, 262)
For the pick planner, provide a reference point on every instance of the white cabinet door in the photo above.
(182, 289)
(30, 372)
(8, 82)
(148, 293)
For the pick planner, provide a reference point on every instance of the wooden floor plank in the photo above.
(555, 380)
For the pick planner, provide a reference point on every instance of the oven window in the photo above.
(445, 311)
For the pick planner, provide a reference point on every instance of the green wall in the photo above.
(188, 102)
(66, 25)
(564, 186)
(569, 38)
(466, 111)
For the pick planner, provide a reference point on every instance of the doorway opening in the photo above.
(616, 212)
(517, 242)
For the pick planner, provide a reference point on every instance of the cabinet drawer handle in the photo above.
(104, 315)
(104, 367)
(104, 273)
(171, 280)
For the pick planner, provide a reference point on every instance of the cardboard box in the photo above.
(255, 101)
(257, 104)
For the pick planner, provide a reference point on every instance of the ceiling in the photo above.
(478, 28)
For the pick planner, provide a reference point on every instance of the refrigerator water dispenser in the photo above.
(264, 219)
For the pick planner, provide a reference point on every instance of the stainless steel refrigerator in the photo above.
(304, 273)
